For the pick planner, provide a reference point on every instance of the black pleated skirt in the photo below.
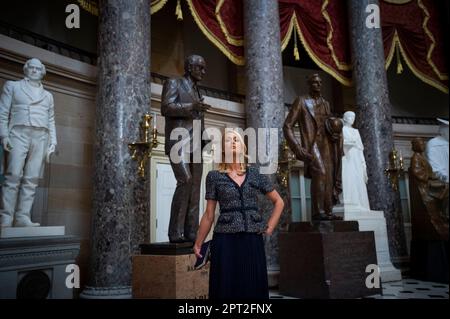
(238, 267)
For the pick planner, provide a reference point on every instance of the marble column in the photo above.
(120, 197)
(374, 120)
(264, 94)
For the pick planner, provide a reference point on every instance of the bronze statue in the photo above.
(181, 105)
(320, 147)
(429, 196)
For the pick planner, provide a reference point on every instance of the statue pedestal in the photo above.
(41, 231)
(372, 220)
(35, 267)
(166, 271)
(326, 260)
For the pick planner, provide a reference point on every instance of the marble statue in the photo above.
(437, 152)
(181, 104)
(355, 197)
(28, 135)
(320, 147)
(354, 170)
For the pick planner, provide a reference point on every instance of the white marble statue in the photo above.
(27, 133)
(354, 170)
(437, 152)
(356, 201)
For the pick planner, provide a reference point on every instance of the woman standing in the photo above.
(238, 261)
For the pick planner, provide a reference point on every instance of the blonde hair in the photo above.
(223, 166)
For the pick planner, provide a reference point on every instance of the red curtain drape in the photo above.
(411, 30)
(208, 13)
(321, 26)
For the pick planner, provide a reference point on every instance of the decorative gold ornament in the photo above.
(141, 151)
(395, 168)
(285, 163)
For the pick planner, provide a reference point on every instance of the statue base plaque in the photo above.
(166, 271)
(326, 260)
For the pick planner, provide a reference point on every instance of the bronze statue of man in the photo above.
(429, 194)
(320, 147)
(181, 105)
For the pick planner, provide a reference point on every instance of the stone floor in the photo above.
(404, 289)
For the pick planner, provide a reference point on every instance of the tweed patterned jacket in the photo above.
(238, 204)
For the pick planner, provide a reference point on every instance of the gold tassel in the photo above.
(178, 11)
(296, 53)
(399, 61)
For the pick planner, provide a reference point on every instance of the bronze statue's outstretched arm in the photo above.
(288, 130)
(169, 104)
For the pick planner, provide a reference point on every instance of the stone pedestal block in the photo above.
(320, 264)
(166, 271)
(42, 231)
(375, 221)
(35, 268)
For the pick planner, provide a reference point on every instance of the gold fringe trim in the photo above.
(294, 24)
(399, 61)
(89, 6)
(322, 65)
(340, 65)
(211, 37)
(288, 35)
(236, 41)
(442, 76)
(420, 75)
(157, 5)
(296, 53)
(396, 42)
(391, 51)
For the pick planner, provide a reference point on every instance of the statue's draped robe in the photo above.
(354, 171)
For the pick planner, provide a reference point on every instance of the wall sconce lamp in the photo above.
(141, 151)
(394, 169)
(286, 159)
